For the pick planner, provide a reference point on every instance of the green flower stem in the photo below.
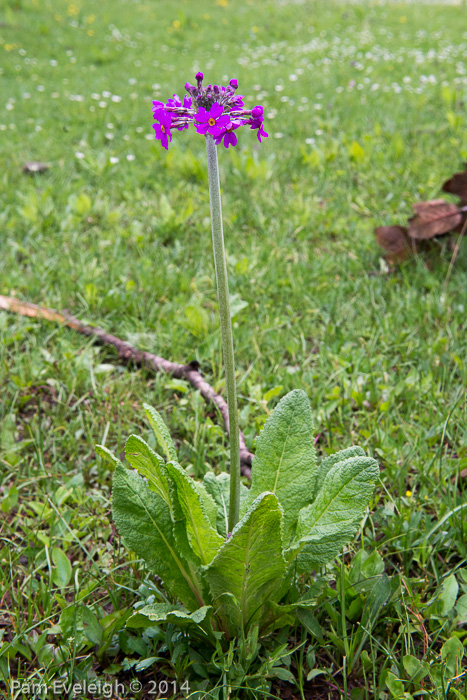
(226, 328)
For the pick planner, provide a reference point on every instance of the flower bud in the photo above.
(257, 112)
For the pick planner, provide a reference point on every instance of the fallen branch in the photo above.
(128, 353)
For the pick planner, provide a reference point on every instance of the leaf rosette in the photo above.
(295, 518)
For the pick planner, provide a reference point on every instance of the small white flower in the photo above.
(102, 104)
(38, 128)
(310, 142)
(109, 136)
(79, 155)
(130, 156)
(53, 62)
(26, 96)
(106, 94)
(116, 98)
(132, 81)
(95, 96)
(114, 159)
(139, 129)
(40, 88)
(278, 135)
(110, 125)
(293, 77)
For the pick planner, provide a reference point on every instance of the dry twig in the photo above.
(128, 353)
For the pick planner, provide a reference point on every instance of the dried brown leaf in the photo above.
(396, 243)
(34, 167)
(433, 219)
(457, 185)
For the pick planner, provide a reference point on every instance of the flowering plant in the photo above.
(228, 554)
(214, 110)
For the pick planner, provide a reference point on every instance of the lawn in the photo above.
(364, 104)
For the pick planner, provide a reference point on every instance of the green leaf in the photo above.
(285, 459)
(415, 668)
(365, 567)
(150, 465)
(310, 623)
(203, 539)
(275, 616)
(161, 432)
(395, 685)
(107, 455)
(62, 573)
(91, 627)
(452, 652)
(10, 499)
(249, 566)
(237, 304)
(447, 595)
(219, 488)
(377, 599)
(329, 462)
(461, 609)
(174, 614)
(325, 526)
(143, 519)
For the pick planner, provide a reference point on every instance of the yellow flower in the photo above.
(408, 494)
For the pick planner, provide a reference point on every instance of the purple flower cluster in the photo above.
(213, 110)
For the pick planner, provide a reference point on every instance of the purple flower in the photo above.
(261, 132)
(162, 128)
(211, 122)
(228, 135)
(215, 110)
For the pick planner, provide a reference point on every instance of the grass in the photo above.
(364, 106)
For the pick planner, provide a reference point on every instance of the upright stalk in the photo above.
(226, 328)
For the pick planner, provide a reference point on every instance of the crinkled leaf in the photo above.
(204, 539)
(107, 455)
(150, 465)
(219, 488)
(143, 519)
(161, 432)
(285, 458)
(328, 462)
(457, 185)
(250, 566)
(395, 242)
(166, 612)
(433, 219)
(208, 503)
(325, 526)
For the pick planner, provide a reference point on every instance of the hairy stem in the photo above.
(226, 328)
